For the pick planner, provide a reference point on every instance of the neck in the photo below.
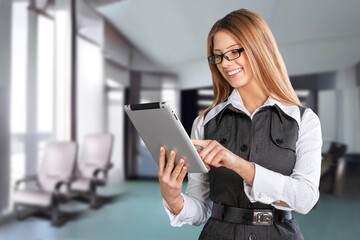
(253, 97)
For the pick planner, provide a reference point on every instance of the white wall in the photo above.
(140, 62)
(90, 90)
(117, 73)
(89, 22)
(339, 110)
(115, 46)
(115, 118)
(194, 74)
(350, 119)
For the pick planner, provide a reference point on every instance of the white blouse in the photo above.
(300, 190)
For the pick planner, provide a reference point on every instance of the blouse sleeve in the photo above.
(300, 190)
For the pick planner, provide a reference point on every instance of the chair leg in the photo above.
(95, 200)
(57, 218)
(339, 177)
(17, 212)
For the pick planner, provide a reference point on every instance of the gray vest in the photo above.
(269, 139)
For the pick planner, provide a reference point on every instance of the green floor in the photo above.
(136, 213)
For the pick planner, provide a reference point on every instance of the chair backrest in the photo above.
(57, 164)
(96, 153)
(337, 150)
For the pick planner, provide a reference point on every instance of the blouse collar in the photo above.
(236, 101)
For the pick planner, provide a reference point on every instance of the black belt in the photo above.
(248, 216)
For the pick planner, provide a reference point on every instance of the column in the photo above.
(65, 69)
(5, 57)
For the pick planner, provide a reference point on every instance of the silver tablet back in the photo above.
(158, 124)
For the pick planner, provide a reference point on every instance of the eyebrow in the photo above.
(236, 44)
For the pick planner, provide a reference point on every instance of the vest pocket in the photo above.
(284, 134)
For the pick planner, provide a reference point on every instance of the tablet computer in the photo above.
(158, 125)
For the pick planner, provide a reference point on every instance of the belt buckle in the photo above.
(264, 217)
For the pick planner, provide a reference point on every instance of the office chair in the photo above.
(92, 168)
(51, 183)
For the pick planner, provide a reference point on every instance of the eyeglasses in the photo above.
(229, 55)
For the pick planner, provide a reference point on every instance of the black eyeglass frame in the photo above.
(212, 58)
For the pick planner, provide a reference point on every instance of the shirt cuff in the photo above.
(267, 187)
(176, 220)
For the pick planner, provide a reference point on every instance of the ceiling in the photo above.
(313, 35)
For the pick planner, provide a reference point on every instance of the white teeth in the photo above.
(234, 71)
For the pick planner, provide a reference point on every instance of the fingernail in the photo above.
(199, 148)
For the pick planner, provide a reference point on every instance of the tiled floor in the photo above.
(136, 213)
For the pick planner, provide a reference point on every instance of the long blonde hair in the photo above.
(255, 36)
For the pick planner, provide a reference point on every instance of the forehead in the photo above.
(223, 40)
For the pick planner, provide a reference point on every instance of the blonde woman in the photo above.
(262, 148)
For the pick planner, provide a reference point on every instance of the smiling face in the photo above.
(237, 72)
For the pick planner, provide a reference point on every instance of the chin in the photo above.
(236, 83)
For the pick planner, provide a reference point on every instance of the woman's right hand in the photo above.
(171, 177)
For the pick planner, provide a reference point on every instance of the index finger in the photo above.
(201, 143)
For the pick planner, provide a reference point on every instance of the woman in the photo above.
(262, 148)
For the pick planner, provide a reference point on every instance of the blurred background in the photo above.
(67, 68)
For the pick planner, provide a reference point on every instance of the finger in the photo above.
(175, 174)
(161, 161)
(208, 148)
(211, 153)
(218, 159)
(201, 143)
(182, 174)
(170, 162)
(216, 156)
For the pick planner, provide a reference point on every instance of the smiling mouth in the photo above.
(233, 72)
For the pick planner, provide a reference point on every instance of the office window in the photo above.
(45, 83)
(45, 88)
(32, 97)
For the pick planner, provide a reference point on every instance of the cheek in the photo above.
(221, 70)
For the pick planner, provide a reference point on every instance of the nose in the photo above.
(225, 62)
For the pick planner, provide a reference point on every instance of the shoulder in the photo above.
(310, 122)
(197, 127)
(309, 116)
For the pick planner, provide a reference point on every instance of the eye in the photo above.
(234, 52)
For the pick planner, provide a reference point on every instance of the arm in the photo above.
(195, 204)
(299, 191)
(25, 179)
(171, 177)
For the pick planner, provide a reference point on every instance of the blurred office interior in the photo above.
(67, 67)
